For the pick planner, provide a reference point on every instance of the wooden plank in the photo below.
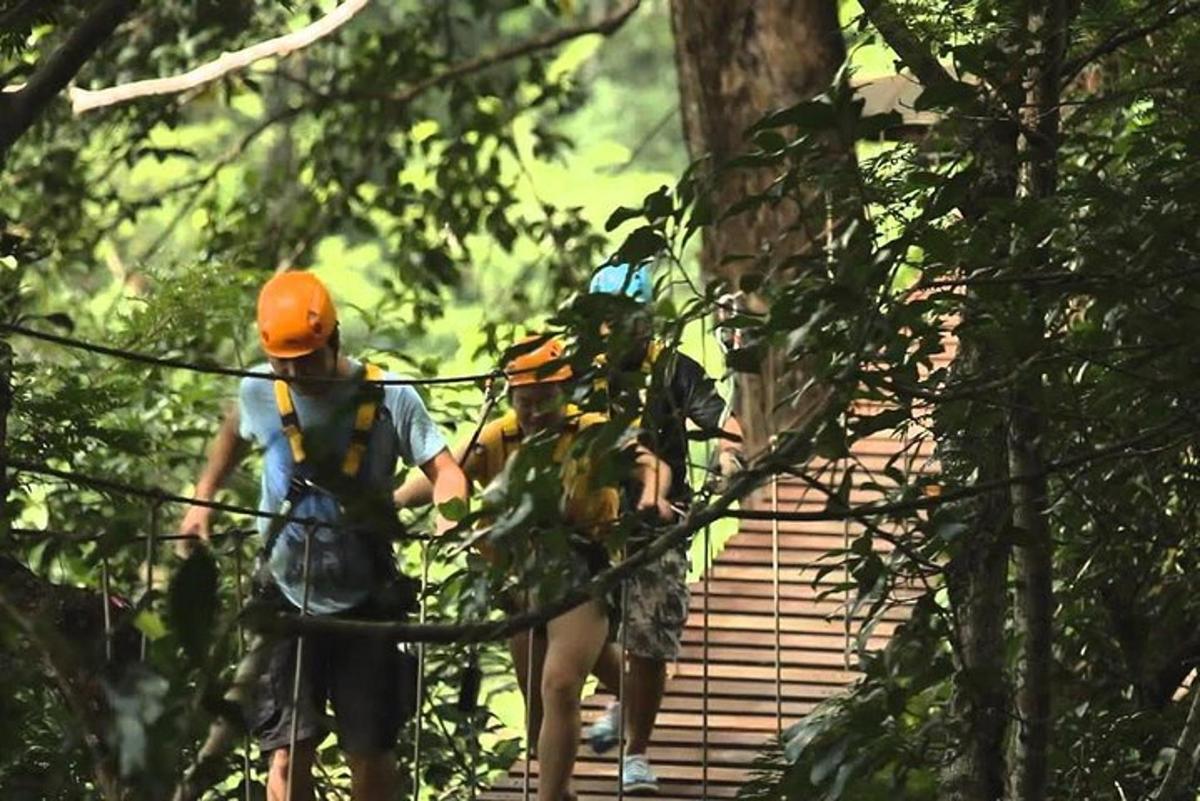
(587, 769)
(817, 676)
(749, 688)
(826, 610)
(789, 591)
(766, 639)
(795, 657)
(812, 625)
(595, 789)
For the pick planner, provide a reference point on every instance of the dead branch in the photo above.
(84, 100)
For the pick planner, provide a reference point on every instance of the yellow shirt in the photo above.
(591, 508)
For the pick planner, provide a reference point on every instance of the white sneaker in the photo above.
(605, 733)
(637, 775)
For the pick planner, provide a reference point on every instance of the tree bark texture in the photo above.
(737, 61)
(1038, 150)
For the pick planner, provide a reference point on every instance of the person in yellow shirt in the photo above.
(542, 422)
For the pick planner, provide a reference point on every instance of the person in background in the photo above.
(676, 391)
(542, 424)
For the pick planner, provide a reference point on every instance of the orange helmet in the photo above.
(528, 367)
(295, 315)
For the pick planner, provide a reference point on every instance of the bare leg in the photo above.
(643, 696)
(277, 776)
(608, 668)
(518, 647)
(372, 776)
(575, 640)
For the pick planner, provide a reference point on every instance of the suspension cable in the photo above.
(239, 602)
(96, 482)
(775, 596)
(106, 593)
(419, 711)
(232, 372)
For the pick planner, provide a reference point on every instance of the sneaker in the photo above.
(637, 775)
(604, 734)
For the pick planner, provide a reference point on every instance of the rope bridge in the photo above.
(765, 640)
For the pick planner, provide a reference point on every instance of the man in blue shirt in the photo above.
(331, 439)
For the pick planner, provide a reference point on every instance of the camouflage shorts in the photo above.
(657, 607)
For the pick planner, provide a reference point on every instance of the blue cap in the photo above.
(624, 279)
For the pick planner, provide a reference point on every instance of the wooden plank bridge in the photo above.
(746, 672)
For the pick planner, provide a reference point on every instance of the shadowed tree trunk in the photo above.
(738, 60)
(1038, 144)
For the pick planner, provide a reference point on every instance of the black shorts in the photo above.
(370, 683)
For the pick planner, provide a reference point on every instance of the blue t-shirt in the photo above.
(342, 565)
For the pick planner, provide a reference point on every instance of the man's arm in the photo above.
(655, 477)
(447, 481)
(707, 409)
(224, 454)
(417, 490)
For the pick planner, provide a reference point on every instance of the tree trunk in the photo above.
(1038, 146)
(738, 60)
(977, 583)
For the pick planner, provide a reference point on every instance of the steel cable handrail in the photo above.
(232, 372)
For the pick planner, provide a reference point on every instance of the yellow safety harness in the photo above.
(364, 419)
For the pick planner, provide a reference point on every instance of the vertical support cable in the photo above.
(775, 592)
(529, 736)
(419, 712)
(704, 668)
(706, 578)
(846, 603)
(298, 673)
(151, 543)
(106, 593)
(239, 601)
(621, 694)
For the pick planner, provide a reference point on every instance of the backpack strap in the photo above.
(364, 419)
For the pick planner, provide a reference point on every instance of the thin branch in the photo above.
(18, 110)
(1177, 779)
(915, 54)
(646, 140)
(606, 26)
(84, 100)
(1124, 37)
(199, 184)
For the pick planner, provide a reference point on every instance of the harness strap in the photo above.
(364, 419)
(290, 421)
